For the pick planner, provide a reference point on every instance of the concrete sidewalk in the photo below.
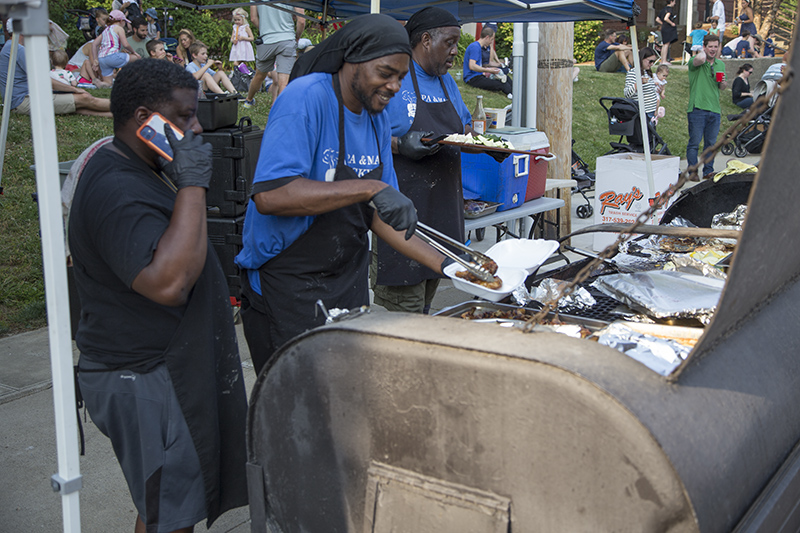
(28, 458)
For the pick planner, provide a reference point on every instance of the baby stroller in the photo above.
(85, 22)
(751, 139)
(623, 120)
(585, 179)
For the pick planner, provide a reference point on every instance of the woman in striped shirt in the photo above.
(647, 56)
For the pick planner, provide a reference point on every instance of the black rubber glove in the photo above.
(191, 160)
(396, 209)
(498, 156)
(411, 146)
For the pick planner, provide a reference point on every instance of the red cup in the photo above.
(720, 76)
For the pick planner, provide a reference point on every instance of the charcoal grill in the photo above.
(408, 423)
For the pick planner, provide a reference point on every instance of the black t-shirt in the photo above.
(120, 211)
(739, 86)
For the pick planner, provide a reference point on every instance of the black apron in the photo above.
(202, 358)
(328, 262)
(203, 363)
(434, 185)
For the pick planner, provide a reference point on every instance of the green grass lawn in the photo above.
(21, 280)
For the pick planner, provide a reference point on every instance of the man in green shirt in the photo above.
(704, 111)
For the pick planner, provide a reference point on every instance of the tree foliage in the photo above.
(587, 35)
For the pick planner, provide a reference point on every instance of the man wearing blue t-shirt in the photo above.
(428, 104)
(610, 56)
(480, 76)
(324, 179)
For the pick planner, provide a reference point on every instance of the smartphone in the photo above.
(152, 134)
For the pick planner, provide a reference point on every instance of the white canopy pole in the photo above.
(518, 55)
(12, 67)
(637, 65)
(531, 74)
(35, 27)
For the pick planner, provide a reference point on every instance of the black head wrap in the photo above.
(363, 39)
(428, 19)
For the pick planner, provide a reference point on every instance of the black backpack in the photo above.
(241, 81)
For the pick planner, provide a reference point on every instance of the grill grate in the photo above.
(602, 310)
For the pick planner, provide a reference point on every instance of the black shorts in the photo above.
(141, 415)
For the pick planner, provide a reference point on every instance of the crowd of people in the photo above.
(156, 332)
(706, 71)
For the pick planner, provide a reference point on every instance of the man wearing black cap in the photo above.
(325, 178)
(428, 104)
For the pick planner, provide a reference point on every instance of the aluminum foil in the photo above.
(549, 289)
(660, 355)
(732, 220)
(520, 296)
(689, 265)
(663, 294)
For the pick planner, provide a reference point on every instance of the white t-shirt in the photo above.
(64, 76)
(718, 10)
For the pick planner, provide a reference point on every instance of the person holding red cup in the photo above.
(706, 79)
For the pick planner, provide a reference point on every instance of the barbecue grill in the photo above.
(397, 422)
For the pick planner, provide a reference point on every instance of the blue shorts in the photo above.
(113, 61)
(141, 415)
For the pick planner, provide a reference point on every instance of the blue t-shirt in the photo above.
(302, 139)
(192, 67)
(601, 53)
(697, 36)
(473, 51)
(743, 49)
(403, 107)
(20, 74)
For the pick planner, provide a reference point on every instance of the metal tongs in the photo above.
(474, 267)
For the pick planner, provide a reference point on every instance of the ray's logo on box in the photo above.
(619, 200)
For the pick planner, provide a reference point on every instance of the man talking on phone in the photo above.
(159, 368)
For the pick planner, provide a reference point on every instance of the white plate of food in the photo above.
(528, 254)
(510, 277)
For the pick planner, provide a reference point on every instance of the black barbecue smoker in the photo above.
(402, 423)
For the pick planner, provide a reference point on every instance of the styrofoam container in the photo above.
(528, 254)
(512, 278)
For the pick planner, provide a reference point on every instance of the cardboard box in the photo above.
(622, 191)
(495, 117)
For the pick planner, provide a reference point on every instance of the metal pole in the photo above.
(642, 117)
(12, 67)
(518, 55)
(531, 74)
(68, 480)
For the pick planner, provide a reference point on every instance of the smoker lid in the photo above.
(767, 259)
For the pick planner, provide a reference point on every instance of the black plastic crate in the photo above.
(217, 111)
(235, 155)
(225, 235)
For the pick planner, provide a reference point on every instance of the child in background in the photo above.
(714, 30)
(660, 80)
(153, 27)
(156, 50)
(200, 69)
(60, 72)
(242, 39)
(697, 35)
(101, 18)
